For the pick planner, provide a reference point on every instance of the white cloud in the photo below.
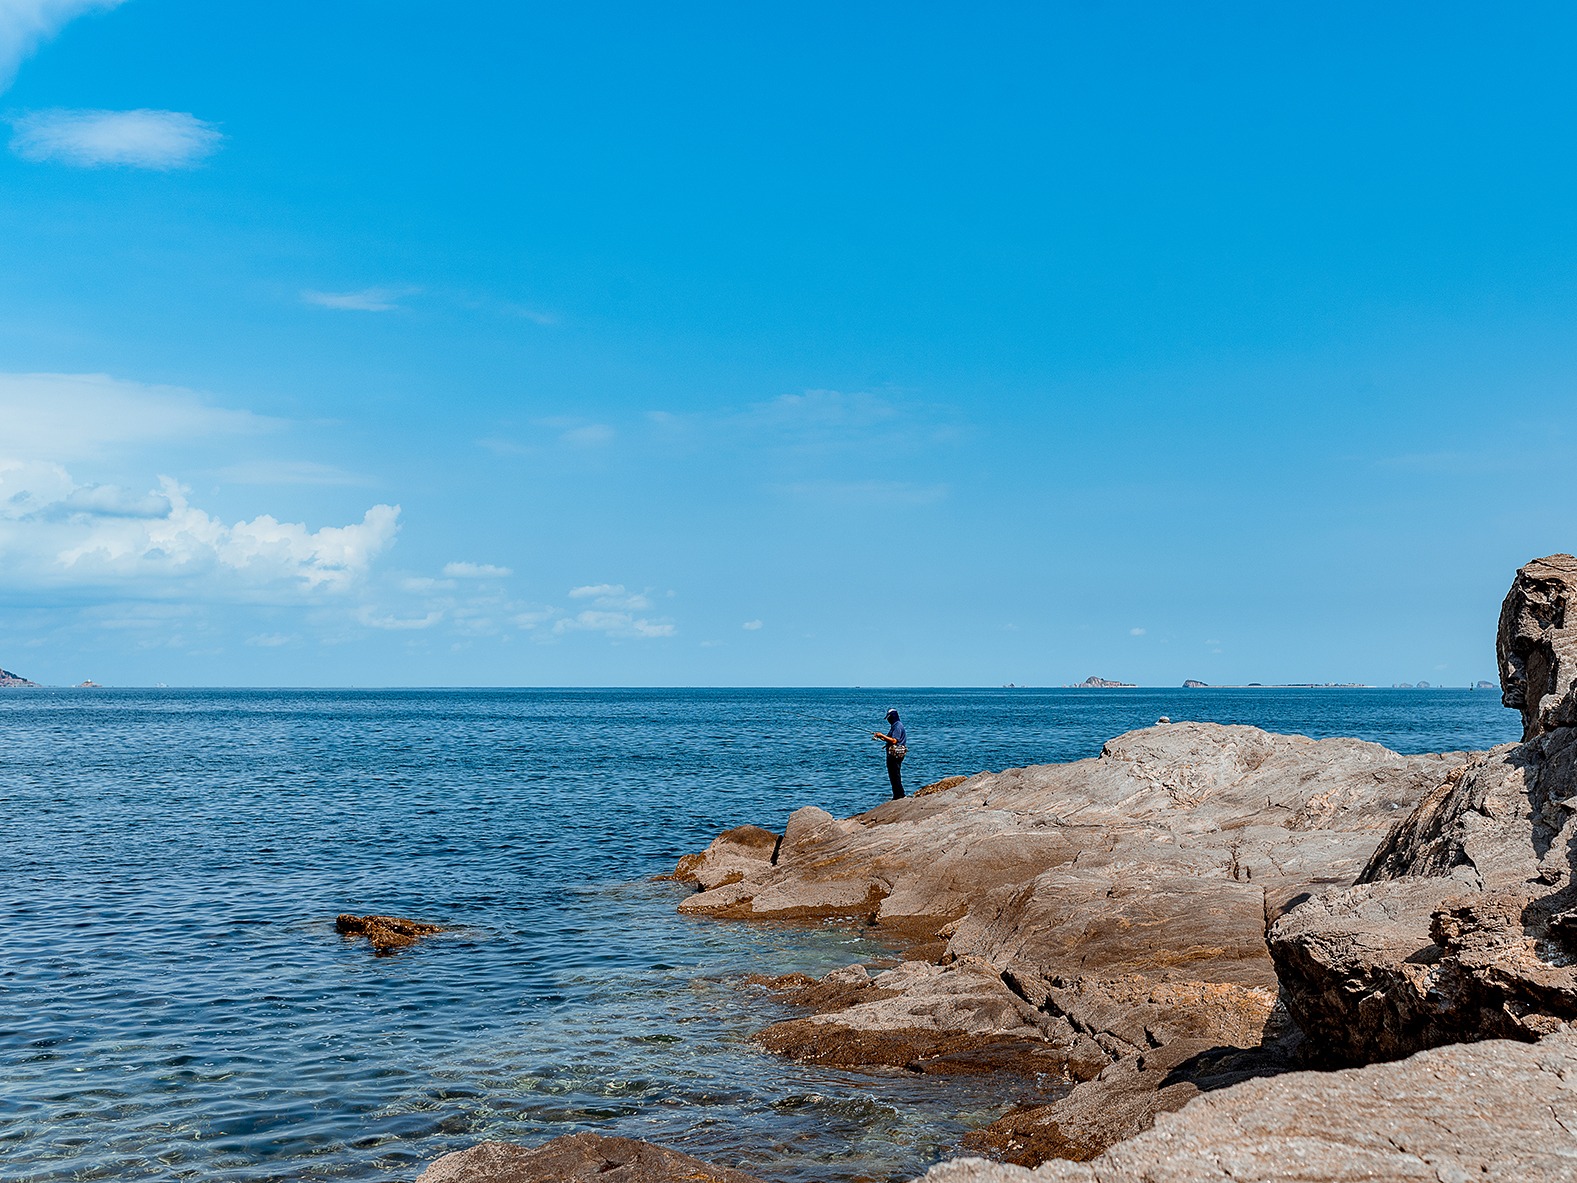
(612, 596)
(1136, 632)
(751, 625)
(96, 139)
(60, 418)
(271, 640)
(365, 300)
(372, 618)
(25, 24)
(613, 611)
(475, 571)
(614, 624)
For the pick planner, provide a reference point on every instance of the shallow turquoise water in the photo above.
(175, 1004)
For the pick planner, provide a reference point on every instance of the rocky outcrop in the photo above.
(386, 934)
(1492, 1110)
(1464, 924)
(576, 1158)
(1536, 645)
(8, 680)
(1080, 916)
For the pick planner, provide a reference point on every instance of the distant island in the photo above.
(7, 678)
(1103, 684)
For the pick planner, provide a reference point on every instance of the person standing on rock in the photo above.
(897, 741)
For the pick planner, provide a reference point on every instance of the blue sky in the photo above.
(882, 344)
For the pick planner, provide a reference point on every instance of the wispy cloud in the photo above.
(287, 472)
(103, 139)
(613, 612)
(614, 624)
(364, 300)
(65, 417)
(612, 595)
(475, 571)
(751, 626)
(26, 24)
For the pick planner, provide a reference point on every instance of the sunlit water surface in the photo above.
(175, 1003)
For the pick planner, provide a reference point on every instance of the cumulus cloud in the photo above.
(99, 139)
(751, 625)
(26, 24)
(1136, 632)
(53, 536)
(475, 571)
(59, 531)
(365, 300)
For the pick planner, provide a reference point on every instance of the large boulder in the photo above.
(1492, 1110)
(1464, 923)
(1077, 915)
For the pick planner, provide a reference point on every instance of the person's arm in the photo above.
(884, 738)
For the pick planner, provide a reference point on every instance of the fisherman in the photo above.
(897, 741)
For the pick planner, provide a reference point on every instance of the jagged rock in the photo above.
(1460, 926)
(1458, 929)
(576, 1158)
(1492, 1110)
(8, 680)
(1104, 908)
(386, 934)
(1536, 644)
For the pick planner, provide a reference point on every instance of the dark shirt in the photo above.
(900, 736)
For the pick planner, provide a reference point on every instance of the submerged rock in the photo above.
(1493, 1110)
(576, 1158)
(385, 933)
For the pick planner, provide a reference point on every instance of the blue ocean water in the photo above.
(175, 1003)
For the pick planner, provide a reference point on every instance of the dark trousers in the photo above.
(895, 774)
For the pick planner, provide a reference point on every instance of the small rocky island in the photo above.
(8, 680)
(1253, 956)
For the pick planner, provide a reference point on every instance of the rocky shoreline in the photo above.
(1194, 927)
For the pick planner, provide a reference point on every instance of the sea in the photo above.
(176, 1004)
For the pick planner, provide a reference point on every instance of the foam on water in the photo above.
(174, 1002)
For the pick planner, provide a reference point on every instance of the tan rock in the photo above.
(1493, 1110)
(576, 1158)
(1083, 913)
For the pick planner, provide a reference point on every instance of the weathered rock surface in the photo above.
(1101, 909)
(1464, 924)
(577, 1158)
(1536, 644)
(8, 679)
(386, 934)
(1492, 1110)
